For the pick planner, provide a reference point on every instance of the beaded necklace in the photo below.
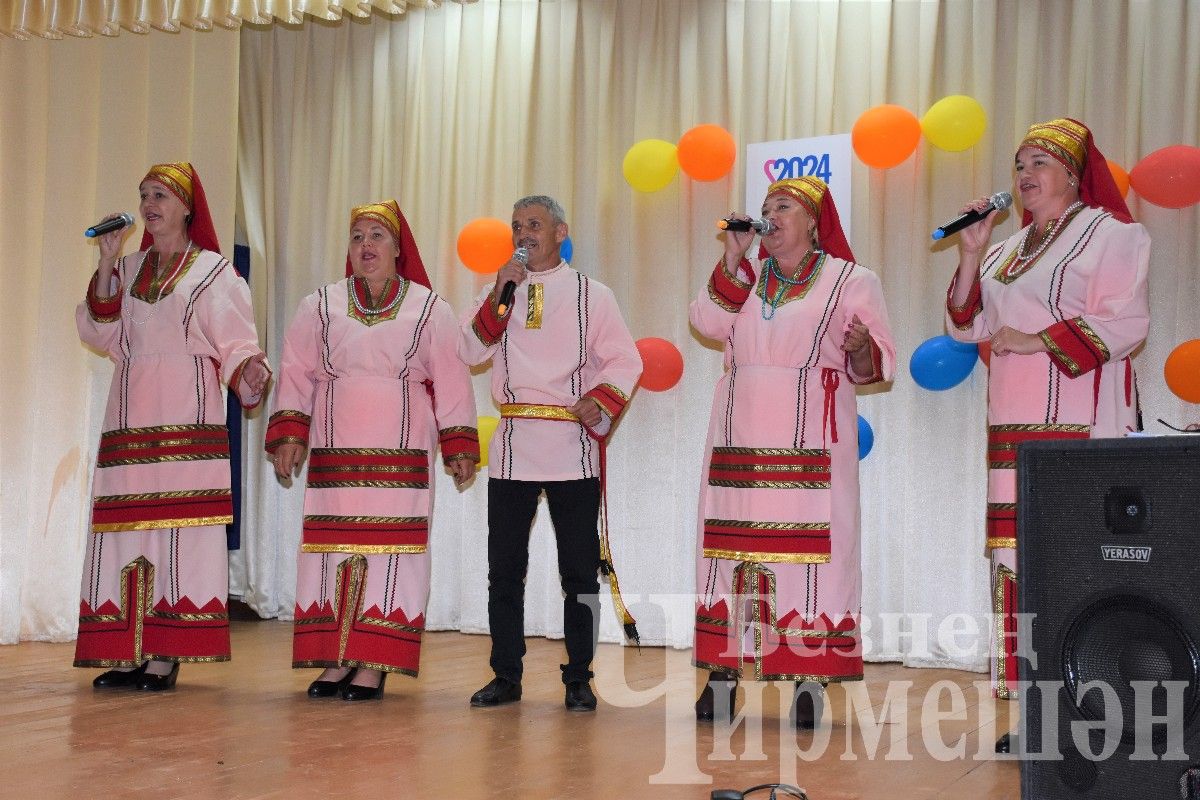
(1051, 234)
(815, 260)
(367, 290)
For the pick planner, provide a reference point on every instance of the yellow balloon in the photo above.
(954, 123)
(486, 426)
(650, 165)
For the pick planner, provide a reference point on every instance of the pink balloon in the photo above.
(662, 364)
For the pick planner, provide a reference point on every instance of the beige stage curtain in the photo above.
(52, 19)
(77, 133)
(457, 111)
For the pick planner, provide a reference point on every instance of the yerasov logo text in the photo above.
(1112, 552)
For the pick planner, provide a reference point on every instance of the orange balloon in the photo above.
(1182, 371)
(662, 364)
(985, 352)
(885, 135)
(707, 152)
(1169, 177)
(485, 244)
(1120, 176)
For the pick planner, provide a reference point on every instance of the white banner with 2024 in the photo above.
(826, 157)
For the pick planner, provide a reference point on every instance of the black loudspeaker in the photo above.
(1108, 535)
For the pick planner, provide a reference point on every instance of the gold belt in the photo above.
(537, 411)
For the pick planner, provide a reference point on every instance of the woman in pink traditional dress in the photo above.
(175, 318)
(778, 577)
(362, 363)
(1063, 304)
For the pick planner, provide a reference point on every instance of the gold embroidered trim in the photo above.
(537, 411)
(769, 484)
(734, 276)
(537, 302)
(1034, 428)
(126, 462)
(325, 663)
(721, 302)
(156, 524)
(363, 468)
(790, 293)
(162, 495)
(372, 316)
(615, 390)
(391, 626)
(1094, 338)
(767, 558)
(368, 451)
(994, 542)
(773, 468)
(363, 549)
(161, 429)
(1060, 355)
(768, 526)
(368, 484)
(1002, 573)
(362, 519)
(768, 451)
(157, 290)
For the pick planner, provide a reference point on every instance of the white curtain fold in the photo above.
(54, 19)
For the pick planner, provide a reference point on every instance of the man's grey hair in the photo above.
(545, 201)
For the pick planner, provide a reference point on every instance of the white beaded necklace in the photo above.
(158, 295)
(376, 311)
(1050, 236)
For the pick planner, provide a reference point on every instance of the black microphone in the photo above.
(763, 226)
(122, 220)
(510, 288)
(999, 201)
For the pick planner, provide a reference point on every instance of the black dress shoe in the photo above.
(353, 691)
(159, 683)
(1007, 743)
(808, 705)
(579, 697)
(115, 678)
(498, 692)
(320, 688)
(706, 705)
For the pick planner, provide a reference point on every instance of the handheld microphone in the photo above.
(764, 227)
(999, 201)
(122, 220)
(510, 288)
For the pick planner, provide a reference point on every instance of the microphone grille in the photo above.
(521, 254)
(765, 228)
(1001, 200)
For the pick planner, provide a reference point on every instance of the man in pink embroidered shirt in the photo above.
(563, 368)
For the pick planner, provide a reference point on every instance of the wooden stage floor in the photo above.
(245, 729)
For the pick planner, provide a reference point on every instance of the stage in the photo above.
(245, 729)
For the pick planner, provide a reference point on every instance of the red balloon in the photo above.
(662, 364)
(1182, 371)
(1169, 177)
(985, 352)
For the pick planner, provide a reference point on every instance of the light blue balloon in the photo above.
(941, 362)
(866, 438)
(566, 250)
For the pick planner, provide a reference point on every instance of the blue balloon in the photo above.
(566, 250)
(866, 438)
(942, 362)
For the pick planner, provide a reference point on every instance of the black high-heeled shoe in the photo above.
(320, 688)
(353, 692)
(159, 683)
(706, 705)
(808, 705)
(119, 679)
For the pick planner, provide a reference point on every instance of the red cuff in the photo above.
(876, 367)
(103, 309)
(488, 325)
(1074, 347)
(729, 291)
(287, 427)
(963, 315)
(612, 401)
(461, 441)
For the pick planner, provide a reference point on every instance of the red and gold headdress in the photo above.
(181, 180)
(813, 194)
(408, 260)
(1070, 143)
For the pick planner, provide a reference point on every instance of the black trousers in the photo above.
(574, 512)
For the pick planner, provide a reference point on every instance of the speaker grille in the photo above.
(1122, 639)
